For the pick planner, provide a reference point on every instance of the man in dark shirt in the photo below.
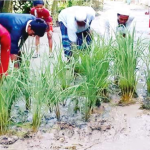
(20, 26)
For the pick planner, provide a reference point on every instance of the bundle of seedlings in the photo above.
(9, 93)
(93, 66)
(52, 90)
(42, 84)
(63, 81)
(26, 77)
(38, 101)
(102, 54)
(64, 72)
(146, 60)
(126, 54)
(48, 90)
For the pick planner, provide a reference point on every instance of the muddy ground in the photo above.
(110, 127)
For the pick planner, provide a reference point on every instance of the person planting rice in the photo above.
(4, 50)
(117, 22)
(20, 26)
(120, 23)
(75, 25)
(40, 12)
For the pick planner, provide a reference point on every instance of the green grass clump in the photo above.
(146, 59)
(8, 95)
(126, 54)
(93, 65)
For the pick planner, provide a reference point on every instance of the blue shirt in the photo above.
(16, 25)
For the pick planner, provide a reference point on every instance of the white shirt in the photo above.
(67, 16)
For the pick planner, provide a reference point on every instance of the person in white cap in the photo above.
(117, 22)
(74, 25)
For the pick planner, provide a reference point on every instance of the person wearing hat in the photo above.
(75, 25)
(20, 26)
(4, 50)
(40, 12)
(117, 22)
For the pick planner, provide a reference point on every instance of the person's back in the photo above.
(15, 21)
(20, 26)
(5, 50)
(16, 25)
(68, 13)
(67, 17)
(75, 27)
(42, 13)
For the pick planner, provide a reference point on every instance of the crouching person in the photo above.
(75, 26)
(4, 50)
(20, 26)
(40, 12)
(116, 22)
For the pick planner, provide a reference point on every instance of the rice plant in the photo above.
(8, 95)
(126, 54)
(10, 92)
(25, 75)
(4, 116)
(93, 65)
(61, 80)
(52, 90)
(41, 83)
(38, 101)
(45, 93)
(102, 57)
(63, 72)
(146, 59)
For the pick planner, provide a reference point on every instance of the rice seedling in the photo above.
(25, 75)
(102, 57)
(38, 101)
(63, 72)
(89, 93)
(93, 65)
(45, 93)
(126, 54)
(8, 94)
(40, 91)
(146, 59)
(26, 80)
(52, 90)
(4, 121)
(61, 80)
(148, 82)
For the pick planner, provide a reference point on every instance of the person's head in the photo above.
(123, 16)
(38, 4)
(37, 27)
(80, 18)
(122, 19)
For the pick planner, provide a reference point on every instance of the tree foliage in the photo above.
(22, 6)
